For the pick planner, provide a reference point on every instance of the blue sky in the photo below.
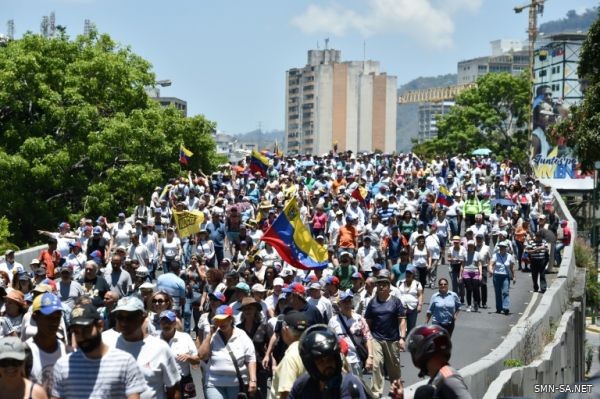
(228, 59)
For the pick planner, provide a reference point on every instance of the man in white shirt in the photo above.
(153, 355)
(366, 256)
(121, 231)
(10, 265)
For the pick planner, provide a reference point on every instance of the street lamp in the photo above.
(153, 91)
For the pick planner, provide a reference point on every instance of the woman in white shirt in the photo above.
(410, 292)
(205, 248)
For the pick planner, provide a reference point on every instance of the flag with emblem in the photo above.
(293, 242)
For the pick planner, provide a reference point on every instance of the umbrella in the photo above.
(503, 202)
(482, 151)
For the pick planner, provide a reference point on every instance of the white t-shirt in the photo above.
(180, 344)
(43, 364)
(409, 294)
(221, 371)
(158, 365)
(121, 233)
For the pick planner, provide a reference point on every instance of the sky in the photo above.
(228, 59)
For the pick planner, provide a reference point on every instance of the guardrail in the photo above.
(526, 340)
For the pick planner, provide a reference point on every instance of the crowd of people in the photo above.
(134, 306)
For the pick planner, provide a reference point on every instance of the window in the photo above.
(542, 73)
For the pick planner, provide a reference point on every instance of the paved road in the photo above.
(477, 334)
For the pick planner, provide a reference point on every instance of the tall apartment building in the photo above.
(350, 103)
(507, 56)
(555, 66)
(428, 116)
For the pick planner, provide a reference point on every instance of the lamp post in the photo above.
(154, 91)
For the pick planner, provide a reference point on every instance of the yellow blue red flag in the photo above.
(444, 196)
(184, 155)
(293, 242)
(259, 163)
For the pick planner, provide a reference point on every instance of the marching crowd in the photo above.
(128, 308)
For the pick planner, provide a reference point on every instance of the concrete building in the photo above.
(555, 66)
(507, 56)
(350, 103)
(176, 102)
(428, 115)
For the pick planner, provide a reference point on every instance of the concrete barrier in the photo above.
(25, 256)
(526, 340)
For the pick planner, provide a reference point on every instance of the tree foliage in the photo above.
(493, 114)
(582, 128)
(78, 133)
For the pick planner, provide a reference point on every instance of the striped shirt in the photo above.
(537, 251)
(114, 375)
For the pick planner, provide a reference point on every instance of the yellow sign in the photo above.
(188, 222)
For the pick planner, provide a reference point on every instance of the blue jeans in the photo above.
(557, 254)
(222, 392)
(501, 287)
(411, 319)
(454, 228)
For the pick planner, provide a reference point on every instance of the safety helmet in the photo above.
(316, 342)
(426, 340)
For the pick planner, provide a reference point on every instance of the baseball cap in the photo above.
(346, 295)
(315, 286)
(502, 244)
(218, 295)
(129, 304)
(243, 286)
(121, 215)
(278, 281)
(411, 269)
(97, 230)
(385, 274)
(223, 312)
(344, 253)
(377, 266)
(286, 272)
(41, 288)
(357, 275)
(12, 348)
(64, 225)
(46, 304)
(147, 286)
(168, 314)
(297, 320)
(456, 238)
(332, 280)
(258, 288)
(471, 242)
(84, 315)
(294, 288)
(231, 274)
(40, 271)
(9, 251)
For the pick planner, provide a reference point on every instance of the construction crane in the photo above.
(535, 7)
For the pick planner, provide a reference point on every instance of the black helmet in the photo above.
(316, 342)
(425, 341)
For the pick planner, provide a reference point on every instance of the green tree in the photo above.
(80, 136)
(582, 128)
(493, 114)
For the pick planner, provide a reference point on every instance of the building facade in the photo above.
(555, 66)
(174, 101)
(507, 56)
(428, 116)
(351, 104)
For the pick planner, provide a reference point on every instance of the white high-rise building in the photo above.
(350, 103)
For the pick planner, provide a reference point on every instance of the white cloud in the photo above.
(427, 21)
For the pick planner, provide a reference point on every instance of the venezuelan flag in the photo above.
(293, 242)
(444, 196)
(361, 194)
(259, 163)
(184, 155)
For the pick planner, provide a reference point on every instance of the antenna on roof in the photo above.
(326, 43)
(364, 50)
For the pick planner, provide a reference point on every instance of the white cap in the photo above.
(258, 288)
(278, 281)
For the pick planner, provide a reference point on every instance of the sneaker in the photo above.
(469, 309)
(505, 311)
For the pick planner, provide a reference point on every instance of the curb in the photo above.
(591, 327)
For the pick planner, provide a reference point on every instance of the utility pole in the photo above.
(535, 7)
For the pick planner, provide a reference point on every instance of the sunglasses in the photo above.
(11, 363)
(443, 285)
(158, 301)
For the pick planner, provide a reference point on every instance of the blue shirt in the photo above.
(384, 317)
(172, 285)
(216, 233)
(442, 307)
